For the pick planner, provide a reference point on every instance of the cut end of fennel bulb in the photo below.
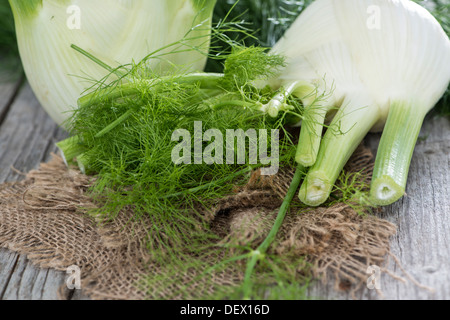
(306, 160)
(273, 108)
(385, 191)
(315, 189)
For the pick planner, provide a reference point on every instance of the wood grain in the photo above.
(10, 83)
(422, 243)
(27, 137)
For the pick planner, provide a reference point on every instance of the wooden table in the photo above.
(28, 135)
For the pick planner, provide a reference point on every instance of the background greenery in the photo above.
(7, 34)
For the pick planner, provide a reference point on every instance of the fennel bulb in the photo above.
(388, 62)
(116, 31)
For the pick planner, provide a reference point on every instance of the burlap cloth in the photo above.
(43, 217)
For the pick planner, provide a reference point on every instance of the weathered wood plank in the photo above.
(21, 280)
(422, 243)
(10, 81)
(7, 93)
(8, 260)
(30, 283)
(27, 137)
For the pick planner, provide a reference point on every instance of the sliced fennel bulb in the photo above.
(388, 73)
(115, 31)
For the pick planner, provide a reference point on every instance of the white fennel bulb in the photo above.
(405, 61)
(389, 62)
(115, 31)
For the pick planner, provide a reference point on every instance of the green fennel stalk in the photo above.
(396, 149)
(259, 253)
(343, 137)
